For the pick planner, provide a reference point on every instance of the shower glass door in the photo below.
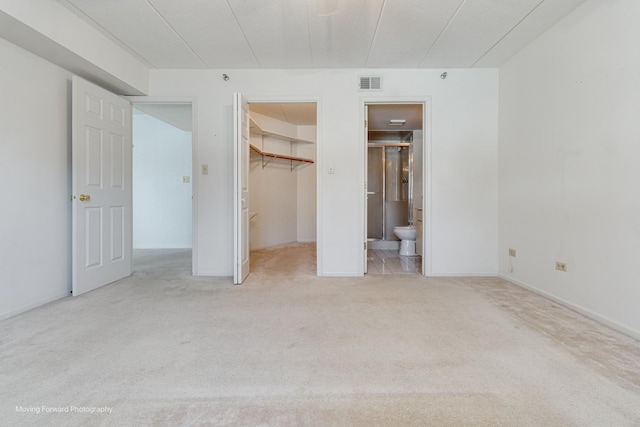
(375, 193)
(396, 184)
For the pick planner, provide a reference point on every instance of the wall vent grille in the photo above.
(370, 83)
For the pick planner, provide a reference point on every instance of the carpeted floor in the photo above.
(288, 348)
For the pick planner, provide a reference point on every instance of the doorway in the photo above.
(162, 185)
(394, 200)
(282, 179)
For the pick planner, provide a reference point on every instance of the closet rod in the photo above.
(279, 156)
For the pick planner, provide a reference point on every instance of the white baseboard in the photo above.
(33, 305)
(584, 311)
(210, 273)
(462, 275)
(337, 274)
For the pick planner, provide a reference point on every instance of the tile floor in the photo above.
(384, 261)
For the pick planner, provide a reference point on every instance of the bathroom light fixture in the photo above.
(396, 122)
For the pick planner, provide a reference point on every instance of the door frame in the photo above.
(251, 99)
(427, 253)
(194, 161)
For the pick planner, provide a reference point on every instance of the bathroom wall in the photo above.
(418, 187)
(418, 160)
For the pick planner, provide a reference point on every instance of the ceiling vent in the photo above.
(371, 83)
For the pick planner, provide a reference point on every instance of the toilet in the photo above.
(407, 236)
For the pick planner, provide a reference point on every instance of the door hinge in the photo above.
(365, 246)
(365, 124)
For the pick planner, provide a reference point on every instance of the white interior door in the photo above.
(366, 188)
(101, 187)
(241, 188)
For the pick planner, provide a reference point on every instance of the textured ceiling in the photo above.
(188, 34)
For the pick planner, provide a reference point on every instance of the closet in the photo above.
(282, 177)
(256, 129)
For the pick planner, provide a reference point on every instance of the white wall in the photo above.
(162, 213)
(463, 137)
(272, 196)
(307, 183)
(569, 151)
(35, 182)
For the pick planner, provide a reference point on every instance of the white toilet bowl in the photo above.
(407, 236)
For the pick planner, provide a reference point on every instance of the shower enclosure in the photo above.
(389, 183)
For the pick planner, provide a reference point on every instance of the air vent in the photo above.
(371, 83)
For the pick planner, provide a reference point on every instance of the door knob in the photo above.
(84, 197)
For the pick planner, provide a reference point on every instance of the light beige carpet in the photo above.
(288, 348)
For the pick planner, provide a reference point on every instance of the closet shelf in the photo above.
(279, 156)
(255, 128)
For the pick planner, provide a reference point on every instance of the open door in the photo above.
(366, 187)
(240, 189)
(101, 187)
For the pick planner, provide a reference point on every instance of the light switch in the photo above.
(331, 170)
(205, 169)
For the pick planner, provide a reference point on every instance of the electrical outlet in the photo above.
(186, 179)
(561, 266)
(512, 252)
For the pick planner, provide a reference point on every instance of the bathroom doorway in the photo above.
(394, 157)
